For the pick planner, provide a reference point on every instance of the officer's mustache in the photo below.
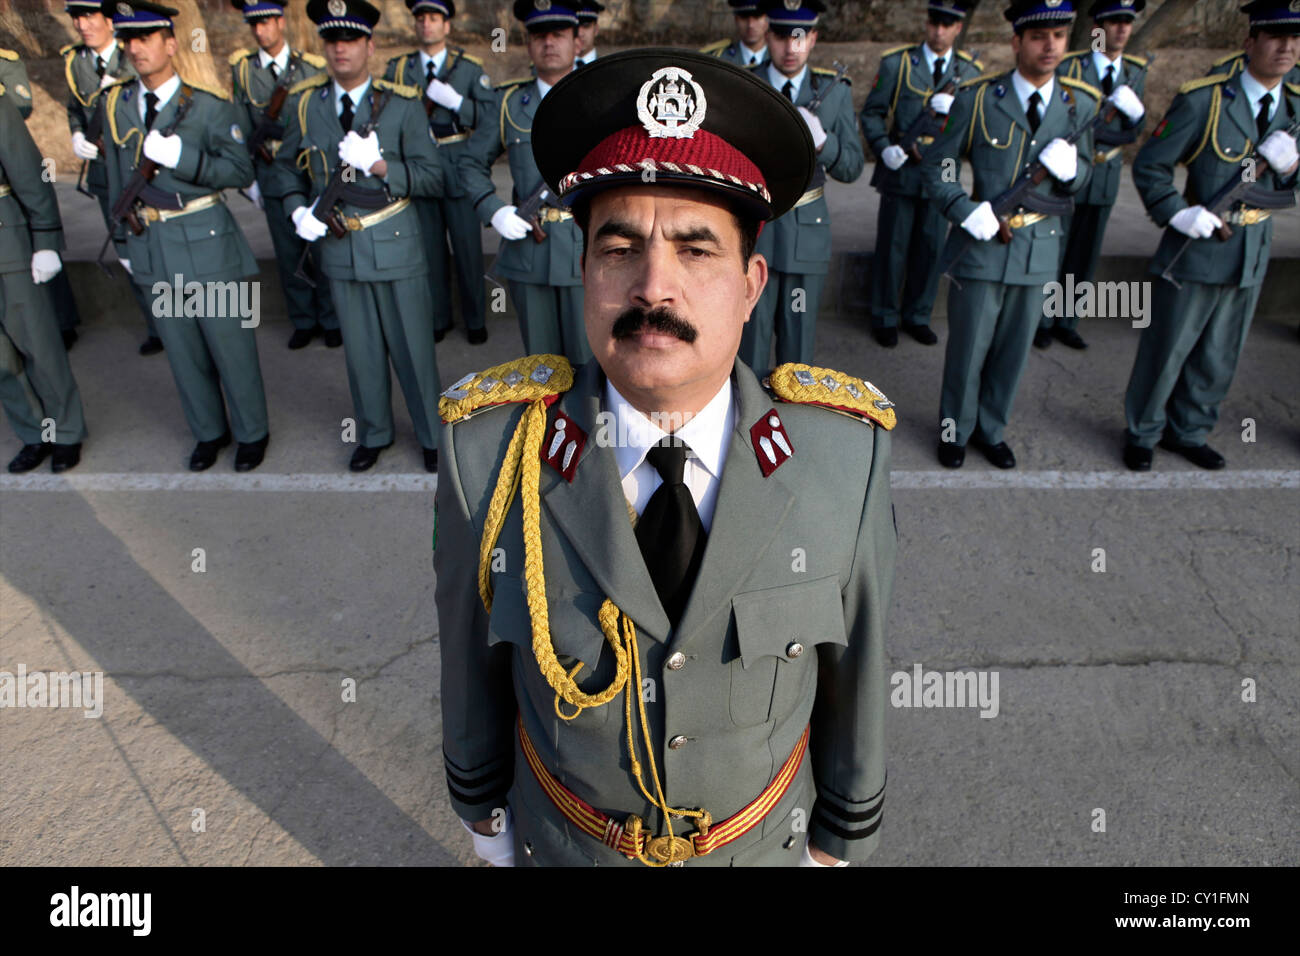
(662, 319)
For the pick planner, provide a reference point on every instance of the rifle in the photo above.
(841, 71)
(1239, 190)
(430, 105)
(1108, 137)
(1022, 194)
(270, 127)
(140, 186)
(342, 177)
(530, 209)
(95, 135)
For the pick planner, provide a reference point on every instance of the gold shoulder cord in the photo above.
(1211, 128)
(110, 110)
(521, 471)
(72, 83)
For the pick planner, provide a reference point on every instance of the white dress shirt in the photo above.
(1255, 91)
(750, 58)
(106, 54)
(589, 57)
(165, 92)
(779, 79)
(1024, 90)
(281, 59)
(1101, 63)
(542, 89)
(438, 60)
(707, 434)
(931, 56)
(356, 96)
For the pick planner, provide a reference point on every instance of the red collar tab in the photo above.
(772, 445)
(563, 445)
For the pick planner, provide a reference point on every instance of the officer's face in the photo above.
(751, 30)
(553, 51)
(1272, 55)
(94, 29)
(941, 33)
(269, 33)
(1039, 50)
(151, 54)
(431, 28)
(665, 293)
(790, 53)
(586, 37)
(348, 59)
(1117, 31)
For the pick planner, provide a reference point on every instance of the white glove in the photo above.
(45, 265)
(358, 152)
(1280, 151)
(83, 147)
(254, 192)
(807, 860)
(126, 264)
(163, 150)
(498, 850)
(814, 126)
(1196, 221)
(941, 103)
(444, 95)
(509, 225)
(982, 223)
(1127, 102)
(1061, 159)
(107, 80)
(895, 157)
(307, 225)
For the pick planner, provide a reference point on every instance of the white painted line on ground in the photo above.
(1227, 480)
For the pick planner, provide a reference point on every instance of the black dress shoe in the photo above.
(951, 455)
(887, 338)
(1137, 458)
(364, 458)
(204, 455)
(999, 455)
(69, 339)
(249, 454)
(440, 334)
(333, 338)
(431, 460)
(301, 338)
(28, 457)
(1042, 339)
(1202, 456)
(65, 457)
(922, 333)
(476, 336)
(151, 346)
(1069, 337)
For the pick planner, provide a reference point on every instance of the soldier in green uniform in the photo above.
(1234, 63)
(1187, 356)
(36, 383)
(678, 658)
(210, 345)
(909, 228)
(378, 273)
(1003, 123)
(254, 77)
(797, 246)
(544, 277)
(458, 96)
(588, 16)
(13, 74)
(1122, 77)
(749, 47)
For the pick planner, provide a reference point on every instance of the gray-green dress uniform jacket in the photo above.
(509, 129)
(900, 94)
(1103, 187)
(83, 88)
(988, 127)
(13, 74)
(783, 567)
(1234, 63)
(730, 50)
(253, 87)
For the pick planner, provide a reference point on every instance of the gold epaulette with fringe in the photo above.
(238, 55)
(525, 379)
(210, 90)
(855, 397)
(320, 79)
(401, 89)
(315, 59)
(1192, 86)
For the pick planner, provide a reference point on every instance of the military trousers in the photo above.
(383, 322)
(454, 219)
(905, 266)
(990, 332)
(1185, 361)
(788, 307)
(140, 295)
(550, 320)
(36, 380)
(1085, 229)
(306, 306)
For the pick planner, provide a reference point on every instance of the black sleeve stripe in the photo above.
(498, 795)
(842, 833)
(861, 817)
(474, 783)
(503, 762)
(845, 800)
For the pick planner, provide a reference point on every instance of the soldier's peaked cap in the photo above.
(260, 9)
(955, 9)
(138, 16)
(1117, 9)
(546, 14)
(589, 11)
(446, 7)
(675, 117)
(354, 16)
(746, 8)
(75, 8)
(786, 16)
(1275, 16)
(1039, 13)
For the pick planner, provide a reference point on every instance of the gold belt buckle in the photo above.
(353, 223)
(1252, 217)
(150, 214)
(670, 849)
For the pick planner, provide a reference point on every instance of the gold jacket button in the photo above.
(677, 661)
(677, 743)
(794, 650)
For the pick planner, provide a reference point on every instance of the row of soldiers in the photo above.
(380, 256)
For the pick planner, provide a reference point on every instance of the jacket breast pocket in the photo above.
(1045, 249)
(213, 246)
(777, 633)
(813, 242)
(397, 243)
(575, 637)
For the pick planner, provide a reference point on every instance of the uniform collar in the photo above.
(437, 61)
(749, 58)
(542, 89)
(1255, 91)
(708, 433)
(264, 59)
(931, 56)
(1024, 90)
(164, 93)
(779, 79)
(356, 96)
(589, 58)
(106, 54)
(1101, 63)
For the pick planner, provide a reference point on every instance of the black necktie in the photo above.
(150, 109)
(788, 90)
(938, 71)
(669, 531)
(1261, 121)
(275, 70)
(429, 72)
(101, 66)
(345, 116)
(1108, 81)
(1035, 114)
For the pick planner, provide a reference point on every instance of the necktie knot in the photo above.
(100, 66)
(669, 459)
(429, 72)
(275, 70)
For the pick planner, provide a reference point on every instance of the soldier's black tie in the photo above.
(150, 109)
(428, 74)
(275, 70)
(1035, 111)
(938, 71)
(345, 116)
(788, 90)
(1108, 81)
(101, 67)
(669, 531)
(1262, 120)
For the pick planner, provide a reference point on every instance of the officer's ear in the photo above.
(370, 48)
(755, 281)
